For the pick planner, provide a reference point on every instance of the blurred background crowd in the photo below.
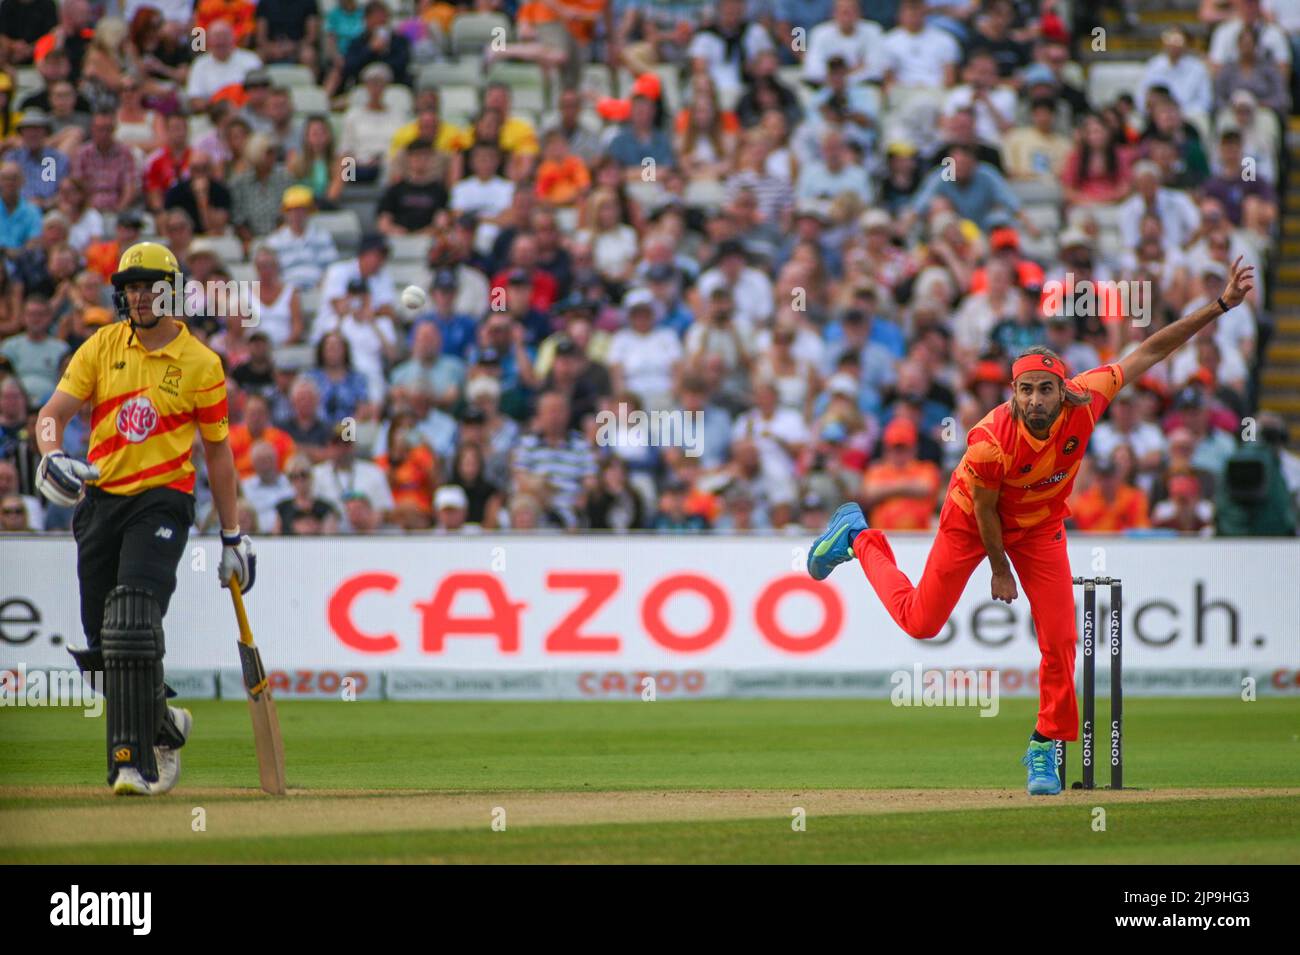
(821, 228)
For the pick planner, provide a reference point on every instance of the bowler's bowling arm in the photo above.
(1173, 336)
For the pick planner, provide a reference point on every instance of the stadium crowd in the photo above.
(821, 230)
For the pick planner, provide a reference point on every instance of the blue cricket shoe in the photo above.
(1041, 760)
(835, 545)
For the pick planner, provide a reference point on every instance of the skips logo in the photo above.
(136, 419)
(133, 909)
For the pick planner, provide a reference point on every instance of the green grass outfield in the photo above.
(1217, 780)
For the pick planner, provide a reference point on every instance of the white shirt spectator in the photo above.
(335, 285)
(303, 258)
(86, 229)
(647, 362)
(263, 497)
(712, 49)
(1286, 13)
(1001, 98)
(1176, 210)
(918, 59)
(1232, 370)
(1188, 82)
(1223, 43)
(483, 197)
(367, 340)
(364, 476)
(751, 295)
(367, 132)
(208, 74)
(863, 50)
(1143, 439)
(786, 425)
(1233, 329)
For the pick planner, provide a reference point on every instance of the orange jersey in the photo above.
(145, 406)
(1093, 512)
(1033, 477)
(903, 513)
(241, 446)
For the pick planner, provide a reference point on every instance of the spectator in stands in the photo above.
(1105, 501)
(224, 65)
(166, 165)
(1248, 201)
(429, 368)
(377, 44)
(1271, 38)
(1182, 72)
(35, 356)
(203, 198)
(20, 220)
(315, 164)
(976, 190)
(43, 167)
(371, 267)
(22, 23)
(555, 461)
(157, 51)
(303, 248)
(1184, 510)
(1099, 167)
(640, 141)
(1256, 72)
(834, 174)
(919, 55)
(992, 103)
(13, 515)
(857, 42)
(139, 126)
(266, 486)
(257, 194)
(288, 31)
(583, 141)
(483, 498)
(256, 428)
(306, 423)
(899, 491)
(55, 67)
(304, 514)
(1037, 151)
(408, 206)
(412, 472)
(1174, 208)
(343, 24)
(369, 126)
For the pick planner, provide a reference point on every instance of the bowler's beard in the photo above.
(1038, 424)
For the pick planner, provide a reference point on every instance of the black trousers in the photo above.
(136, 540)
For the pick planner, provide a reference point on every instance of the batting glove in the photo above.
(237, 560)
(60, 479)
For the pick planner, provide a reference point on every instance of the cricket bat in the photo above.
(266, 725)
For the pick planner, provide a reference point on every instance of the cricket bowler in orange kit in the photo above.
(150, 384)
(1007, 502)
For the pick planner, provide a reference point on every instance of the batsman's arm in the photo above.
(1172, 337)
(224, 481)
(990, 525)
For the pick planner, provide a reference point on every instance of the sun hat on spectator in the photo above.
(1145, 167)
(297, 197)
(564, 345)
(450, 496)
(1038, 74)
(842, 385)
(901, 147)
(614, 110)
(97, 315)
(377, 70)
(1214, 269)
(813, 209)
(201, 247)
(1190, 397)
(445, 279)
(876, 219)
(1074, 237)
(636, 298)
(484, 386)
(988, 371)
(35, 117)
(1004, 237)
(648, 85)
(257, 77)
(1244, 98)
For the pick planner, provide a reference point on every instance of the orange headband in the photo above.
(1038, 363)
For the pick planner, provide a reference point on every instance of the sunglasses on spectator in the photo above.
(12, 511)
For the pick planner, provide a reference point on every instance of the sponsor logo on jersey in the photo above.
(137, 419)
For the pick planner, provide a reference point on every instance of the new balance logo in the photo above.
(165, 533)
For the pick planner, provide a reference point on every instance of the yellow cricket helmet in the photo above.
(149, 262)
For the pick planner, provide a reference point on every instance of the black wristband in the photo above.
(1222, 304)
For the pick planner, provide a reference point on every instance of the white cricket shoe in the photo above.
(129, 782)
(168, 759)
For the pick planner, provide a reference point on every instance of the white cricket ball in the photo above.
(413, 297)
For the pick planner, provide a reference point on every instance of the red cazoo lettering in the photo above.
(315, 682)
